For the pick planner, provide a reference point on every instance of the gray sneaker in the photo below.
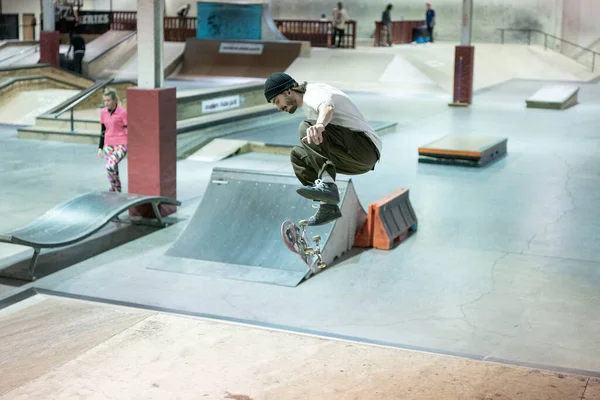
(321, 191)
(325, 214)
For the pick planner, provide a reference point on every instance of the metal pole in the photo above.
(72, 122)
(467, 25)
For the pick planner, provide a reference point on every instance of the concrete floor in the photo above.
(212, 360)
(505, 265)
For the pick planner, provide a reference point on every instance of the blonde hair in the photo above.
(112, 92)
(299, 88)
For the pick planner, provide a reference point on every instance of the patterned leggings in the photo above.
(114, 155)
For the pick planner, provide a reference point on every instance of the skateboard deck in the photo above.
(296, 240)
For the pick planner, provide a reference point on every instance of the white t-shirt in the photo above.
(345, 112)
(340, 17)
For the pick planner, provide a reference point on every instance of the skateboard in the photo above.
(297, 241)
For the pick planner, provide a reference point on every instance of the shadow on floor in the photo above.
(15, 270)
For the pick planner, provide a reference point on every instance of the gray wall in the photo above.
(581, 25)
(488, 15)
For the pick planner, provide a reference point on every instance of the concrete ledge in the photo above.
(40, 133)
(46, 70)
(24, 83)
(193, 104)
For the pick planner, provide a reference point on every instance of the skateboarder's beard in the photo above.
(290, 105)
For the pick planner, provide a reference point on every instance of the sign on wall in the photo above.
(241, 48)
(220, 104)
(229, 21)
(90, 22)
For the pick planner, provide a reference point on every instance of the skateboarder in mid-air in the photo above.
(335, 138)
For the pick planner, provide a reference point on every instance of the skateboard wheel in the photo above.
(304, 222)
(309, 251)
(321, 265)
(316, 238)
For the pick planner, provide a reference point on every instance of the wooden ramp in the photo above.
(245, 58)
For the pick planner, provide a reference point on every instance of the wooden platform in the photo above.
(467, 150)
(62, 348)
(247, 58)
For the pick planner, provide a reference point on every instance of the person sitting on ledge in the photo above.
(334, 138)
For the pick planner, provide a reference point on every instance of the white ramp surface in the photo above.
(557, 97)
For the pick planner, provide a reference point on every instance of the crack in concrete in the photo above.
(587, 382)
(482, 295)
(565, 212)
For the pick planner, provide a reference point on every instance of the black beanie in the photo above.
(276, 84)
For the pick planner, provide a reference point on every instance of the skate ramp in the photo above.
(269, 30)
(127, 69)
(244, 58)
(235, 232)
(430, 68)
(554, 97)
(109, 51)
(275, 138)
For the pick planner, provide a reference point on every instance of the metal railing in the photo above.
(546, 36)
(318, 33)
(71, 106)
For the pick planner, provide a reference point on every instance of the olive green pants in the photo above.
(342, 150)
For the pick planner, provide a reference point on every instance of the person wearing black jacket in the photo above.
(78, 45)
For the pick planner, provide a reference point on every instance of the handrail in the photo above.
(71, 106)
(546, 35)
(35, 49)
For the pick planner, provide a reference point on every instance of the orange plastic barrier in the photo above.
(389, 221)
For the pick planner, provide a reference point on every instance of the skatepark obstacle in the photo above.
(466, 150)
(235, 231)
(78, 218)
(389, 222)
(554, 97)
(241, 58)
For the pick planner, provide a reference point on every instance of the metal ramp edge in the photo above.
(235, 231)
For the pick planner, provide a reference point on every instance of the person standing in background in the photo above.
(113, 138)
(78, 45)
(386, 25)
(340, 16)
(430, 20)
(70, 17)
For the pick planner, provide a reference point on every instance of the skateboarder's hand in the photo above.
(314, 134)
(100, 153)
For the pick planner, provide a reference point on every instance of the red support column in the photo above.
(464, 68)
(49, 48)
(152, 146)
